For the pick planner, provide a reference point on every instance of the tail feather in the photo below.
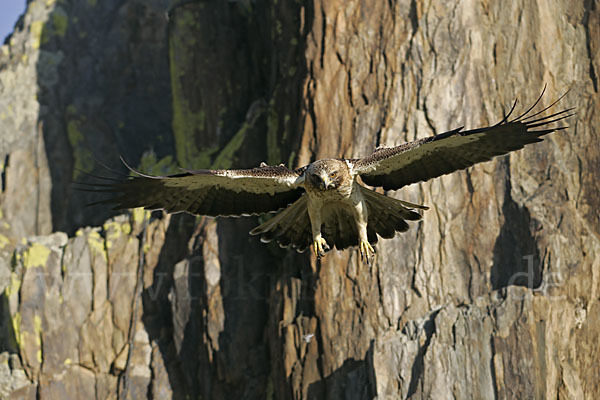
(339, 229)
(348, 233)
(289, 227)
(388, 215)
(292, 227)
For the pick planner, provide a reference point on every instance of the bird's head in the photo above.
(327, 174)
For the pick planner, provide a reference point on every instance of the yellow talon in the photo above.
(366, 252)
(320, 246)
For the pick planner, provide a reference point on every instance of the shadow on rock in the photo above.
(354, 380)
(516, 256)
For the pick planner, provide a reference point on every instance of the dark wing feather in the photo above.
(207, 192)
(424, 159)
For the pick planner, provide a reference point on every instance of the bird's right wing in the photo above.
(207, 192)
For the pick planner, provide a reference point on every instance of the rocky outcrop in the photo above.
(493, 295)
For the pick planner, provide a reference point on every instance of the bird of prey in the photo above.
(323, 203)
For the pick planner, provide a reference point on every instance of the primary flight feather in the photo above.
(322, 203)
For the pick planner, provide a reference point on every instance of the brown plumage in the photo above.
(323, 203)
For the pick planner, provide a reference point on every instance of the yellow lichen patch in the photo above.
(113, 231)
(68, 361)
(37, 336)
(14, 286)
(36, 256)
(35, 30)
(50, 3)
(37, 329)
(16, 324)
(4, 241)
(138, 215)
(126, 229)
(96, 243)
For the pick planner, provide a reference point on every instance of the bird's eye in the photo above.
(332, 174)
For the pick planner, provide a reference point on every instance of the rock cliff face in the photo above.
(493, 295)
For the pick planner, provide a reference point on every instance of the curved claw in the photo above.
(367, 253)
(320, 246)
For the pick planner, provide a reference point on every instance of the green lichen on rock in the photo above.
(41, 31)
(187, 120)
(270, 390)
(273, 150)
(226, 156)
(60, 22)
(291, 159)
(74, 134)
(150, 165)
(84, 159)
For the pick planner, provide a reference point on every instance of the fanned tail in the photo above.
(289, 227)
(388, 215)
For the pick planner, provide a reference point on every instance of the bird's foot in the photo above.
(367, 253)
(320, 246)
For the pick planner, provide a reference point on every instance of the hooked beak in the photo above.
(322, 182)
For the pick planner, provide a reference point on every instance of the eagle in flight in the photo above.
(323, 203)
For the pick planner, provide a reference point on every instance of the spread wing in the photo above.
(424, 159)
(207, 192)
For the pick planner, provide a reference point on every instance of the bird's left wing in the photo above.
(424, 159)
(208, 192)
